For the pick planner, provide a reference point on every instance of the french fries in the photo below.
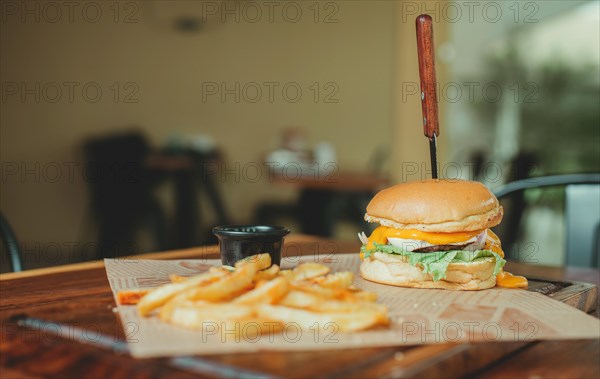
(160, 295)
(269, 292)
(260, 261)
(343, 321)
(255, 297)
(131, 297)
(229, 286)
(267, 274)
(308, 271)
(193, 316)
(342, 279)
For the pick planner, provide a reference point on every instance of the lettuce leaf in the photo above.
(436, 263)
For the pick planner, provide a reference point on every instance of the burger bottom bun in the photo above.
(396, 271)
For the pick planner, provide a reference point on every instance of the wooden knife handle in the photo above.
(427, 75)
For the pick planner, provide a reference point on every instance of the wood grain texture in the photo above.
(83, 298)
(563, 359)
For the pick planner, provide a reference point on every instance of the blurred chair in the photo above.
(582, 213)
(121, 188)
(521, 167)
(10, 244)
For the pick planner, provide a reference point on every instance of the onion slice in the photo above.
(472, 244)
(363, 238)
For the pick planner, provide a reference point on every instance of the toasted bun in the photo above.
(443, 206)
(396, 271)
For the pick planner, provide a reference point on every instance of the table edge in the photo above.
(209, 251)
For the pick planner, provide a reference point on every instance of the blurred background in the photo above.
(131, 127)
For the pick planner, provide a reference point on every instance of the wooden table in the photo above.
(79, 295)
(192, 172)
(343, 181)
(324, 198)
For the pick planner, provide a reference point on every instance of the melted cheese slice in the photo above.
(492, 243)
(382, 233)
(508, 280)
(503, 279)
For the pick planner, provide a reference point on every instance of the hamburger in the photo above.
(435, 234)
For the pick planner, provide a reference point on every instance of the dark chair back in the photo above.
(121, 194)
(582, 212)
(115, 171)
(10, 244)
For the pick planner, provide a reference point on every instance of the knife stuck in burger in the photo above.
(436, 234)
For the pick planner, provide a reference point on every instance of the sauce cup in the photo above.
(237, 242)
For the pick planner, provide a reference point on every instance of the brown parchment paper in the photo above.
(419, 316)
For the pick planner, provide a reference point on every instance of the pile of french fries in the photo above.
(256, 292)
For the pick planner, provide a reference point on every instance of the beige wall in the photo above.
(357, 54)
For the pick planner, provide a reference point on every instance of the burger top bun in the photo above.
(437, 205)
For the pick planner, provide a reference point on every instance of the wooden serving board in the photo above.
(583, 296)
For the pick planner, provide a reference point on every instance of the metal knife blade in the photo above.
(433, 156)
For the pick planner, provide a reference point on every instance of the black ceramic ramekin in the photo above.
(237, 242)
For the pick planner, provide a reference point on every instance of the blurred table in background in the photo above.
(345, 181)
(326, 199)
(192, 173)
